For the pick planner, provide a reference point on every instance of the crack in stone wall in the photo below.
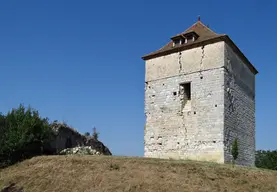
(186, 131)
(189, 140)
(196, 130)
(204, 131)
(201, 60)
(180, 62)
(230, 82)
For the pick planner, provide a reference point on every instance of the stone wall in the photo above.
(189, 61)
(221, 107)
(191, 129)
(239, 114)
(66, 137)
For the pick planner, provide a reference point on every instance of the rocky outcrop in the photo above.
(65, 137)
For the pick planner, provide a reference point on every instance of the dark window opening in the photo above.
(177, 42)
(174, 93)
(184, 94)
(190, 39)
(184, 38)
(185, 91)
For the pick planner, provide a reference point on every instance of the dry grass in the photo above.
(91, 173)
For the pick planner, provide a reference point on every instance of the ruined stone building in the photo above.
(199, 97)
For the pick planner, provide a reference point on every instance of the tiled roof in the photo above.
(206, 36)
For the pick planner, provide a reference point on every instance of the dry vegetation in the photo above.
(93, 173)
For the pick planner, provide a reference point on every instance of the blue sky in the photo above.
(80, 61)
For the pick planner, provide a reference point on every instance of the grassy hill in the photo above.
(103, 173)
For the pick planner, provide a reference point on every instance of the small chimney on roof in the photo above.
(199, 19)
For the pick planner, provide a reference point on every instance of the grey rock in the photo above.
(66, 139)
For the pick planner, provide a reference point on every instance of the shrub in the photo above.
(23, 134)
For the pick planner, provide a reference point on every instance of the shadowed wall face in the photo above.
(239, 111)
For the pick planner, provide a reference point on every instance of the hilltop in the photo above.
(107, 173)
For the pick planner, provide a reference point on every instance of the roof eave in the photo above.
(182, 48)
(229, 41)
(224, 38)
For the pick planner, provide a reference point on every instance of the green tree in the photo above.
(87, 134)
(266, 159)
(235, 151)
(23, 134)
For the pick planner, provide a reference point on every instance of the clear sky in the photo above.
(80, 61)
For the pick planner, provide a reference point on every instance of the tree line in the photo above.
(266, 159)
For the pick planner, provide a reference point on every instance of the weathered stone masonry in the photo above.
(239, 114)
(197, 100)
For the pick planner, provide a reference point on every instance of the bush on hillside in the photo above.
(23, 134)
(266, 159)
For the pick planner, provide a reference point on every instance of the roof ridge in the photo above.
(202, 24)
(207, 27)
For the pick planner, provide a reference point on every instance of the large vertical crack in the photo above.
(186, 132)
(180, 62)
(202, 57)
(201, 60)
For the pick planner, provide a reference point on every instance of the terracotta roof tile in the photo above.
(206, 36)
(203, 31)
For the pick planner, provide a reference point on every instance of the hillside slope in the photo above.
(104, 173)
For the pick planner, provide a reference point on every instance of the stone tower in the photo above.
(199, 97)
